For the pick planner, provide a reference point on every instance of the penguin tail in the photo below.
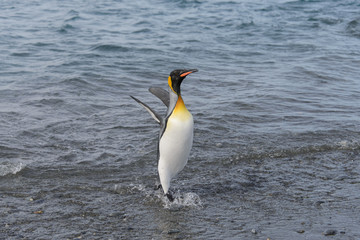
(153, 114)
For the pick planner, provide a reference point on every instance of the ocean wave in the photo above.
(11, 168)
(353, 28)
(342, 145)
(110, 48)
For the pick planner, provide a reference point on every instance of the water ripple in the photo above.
(275, 105)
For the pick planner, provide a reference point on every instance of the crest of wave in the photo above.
(11, 168)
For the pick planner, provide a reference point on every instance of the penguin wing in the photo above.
(162, 94)
(155, 115)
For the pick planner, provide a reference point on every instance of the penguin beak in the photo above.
(187, 72)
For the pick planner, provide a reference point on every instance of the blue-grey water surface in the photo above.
(276, 104)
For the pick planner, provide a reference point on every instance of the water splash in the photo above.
(189, 199)
(11, 168)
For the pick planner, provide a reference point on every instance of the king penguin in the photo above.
(176, 129)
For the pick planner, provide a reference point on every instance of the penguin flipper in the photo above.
(154, 115)
(162, 94)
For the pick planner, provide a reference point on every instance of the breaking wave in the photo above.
(11, 168)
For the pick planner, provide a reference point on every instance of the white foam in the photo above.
(348, 145)
(344, 144)
(11, 168)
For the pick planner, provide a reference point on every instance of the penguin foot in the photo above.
(170, 196)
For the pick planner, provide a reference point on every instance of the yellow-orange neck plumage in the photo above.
(180, 110)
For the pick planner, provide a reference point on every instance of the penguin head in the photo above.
(176, 77)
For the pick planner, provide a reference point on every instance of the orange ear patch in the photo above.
(170, 84)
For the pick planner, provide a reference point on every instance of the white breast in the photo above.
(175, 146)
